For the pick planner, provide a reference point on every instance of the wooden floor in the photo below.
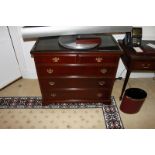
(145, 118)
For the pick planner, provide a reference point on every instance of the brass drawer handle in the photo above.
(99, 59)
(146, 65)
(51, 83)
(103, 71)
(101, 83)
(99, 95)
(53, 94)
(55, 59)
(49, 71)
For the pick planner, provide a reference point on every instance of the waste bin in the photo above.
(133, 100)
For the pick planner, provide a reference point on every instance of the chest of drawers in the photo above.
(67, 76)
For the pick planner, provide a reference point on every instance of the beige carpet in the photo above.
(145, 119)
(51, 118)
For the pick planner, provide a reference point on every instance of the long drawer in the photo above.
(54, 70)
(59, 82)
(83, 94)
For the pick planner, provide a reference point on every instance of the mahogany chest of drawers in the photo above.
(69, 76)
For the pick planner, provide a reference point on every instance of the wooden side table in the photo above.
(135, 62)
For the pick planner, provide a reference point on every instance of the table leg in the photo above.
(125, 83)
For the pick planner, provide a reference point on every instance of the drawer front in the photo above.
(50, 71)
(87, 94)
(143, 65)
(99, 59)
(76, 83)
(56, 59)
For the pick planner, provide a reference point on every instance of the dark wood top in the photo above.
(49, 44)
(148, 52)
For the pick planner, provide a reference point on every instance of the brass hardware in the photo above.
(146, 66)
(55, 59)
(49, 71)
(99, 95)
(101, 83)
(99, 59)
(51, 83)
(103, 71)
(53, 95)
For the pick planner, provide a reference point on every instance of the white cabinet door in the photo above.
(9, 69)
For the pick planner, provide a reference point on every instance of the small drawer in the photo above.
(143, 65)
(83, 94)
(50, 71)
(56, 59)
(52, 83)
(99, 59)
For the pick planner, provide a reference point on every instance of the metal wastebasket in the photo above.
(133, 100)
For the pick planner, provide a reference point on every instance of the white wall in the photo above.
(30, 72)
(9, 68)
(22, 49)
(149, 32)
